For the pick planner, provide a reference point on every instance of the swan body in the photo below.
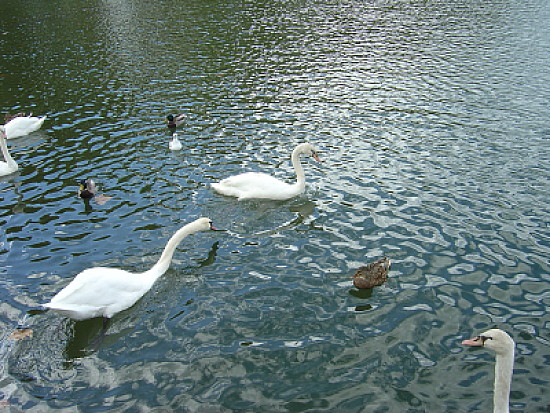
(103, 291)
(9, 166)
(175, 121)
(23, 125)
(372, 275)
(175, 144)
(250, 185)
(503, 345)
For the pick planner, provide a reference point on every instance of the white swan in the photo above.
(259, 185)
(103, 291)
(175, 144)
(23, 125)
(503, 345)
(9, 166)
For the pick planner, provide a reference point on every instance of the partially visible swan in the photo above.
(175, 121)
(175, 144)
(103, 291)
(503, 345)
(9, 166)
(259, 185)
(23, 125)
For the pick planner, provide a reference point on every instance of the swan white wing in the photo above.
(23, 125)
(99, 291)
(255, 185)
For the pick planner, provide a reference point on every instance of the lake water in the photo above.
(432, 121)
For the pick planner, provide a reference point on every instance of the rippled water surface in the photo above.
(432, 120)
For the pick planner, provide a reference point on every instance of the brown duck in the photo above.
(372, 275)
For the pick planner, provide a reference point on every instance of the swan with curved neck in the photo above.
(503, 345)
(103, 291)
(23, 125)
(251, 185)
(9, 166)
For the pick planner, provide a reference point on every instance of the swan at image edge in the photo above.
(103, 291)
(23, 125)
(503, 345)
(9, 166)
(250, 185)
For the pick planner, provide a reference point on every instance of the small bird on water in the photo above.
(372, 275)
(87, 190)
(175, 121)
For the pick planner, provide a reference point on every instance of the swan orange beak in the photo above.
(474, 342)
(316, 157)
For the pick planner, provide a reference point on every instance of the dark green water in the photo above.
(432, 119)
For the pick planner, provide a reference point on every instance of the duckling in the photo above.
(9, 116)
(175, 121)
(372, 275)
(175, 144)
(88, 190)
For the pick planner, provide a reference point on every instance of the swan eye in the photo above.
(484, 338)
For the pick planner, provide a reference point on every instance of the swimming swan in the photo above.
(503, 345)
(9, 166)
(175, 144)
(103, 291)
(23, 125)
(259, 185)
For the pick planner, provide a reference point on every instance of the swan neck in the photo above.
(503, 378)
(4, 147)
(299, 169)
(165, 259)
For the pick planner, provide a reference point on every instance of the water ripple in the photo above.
(431, 126)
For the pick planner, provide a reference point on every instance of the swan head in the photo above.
(307, 149)
(494, 339)
(203, 224)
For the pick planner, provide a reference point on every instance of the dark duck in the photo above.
(175, 121)
(372, 275)
(87, 189)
